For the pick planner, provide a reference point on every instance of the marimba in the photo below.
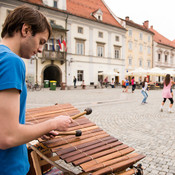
(94, 152)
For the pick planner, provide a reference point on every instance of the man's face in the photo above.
(31, 45)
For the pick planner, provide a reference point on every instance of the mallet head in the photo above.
(78, 133)
(88, 111)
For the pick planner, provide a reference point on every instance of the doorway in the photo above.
(53, 73)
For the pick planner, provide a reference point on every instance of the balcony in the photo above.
(53, 55)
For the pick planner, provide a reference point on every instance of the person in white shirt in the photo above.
(144, 89)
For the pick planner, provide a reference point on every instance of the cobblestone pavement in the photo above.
(142, 127)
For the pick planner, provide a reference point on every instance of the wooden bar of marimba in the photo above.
(94, 152)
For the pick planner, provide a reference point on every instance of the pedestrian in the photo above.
(123, 86)
(144, 89)
(83, 85)
(126, 84)
(166, 93)
(101, 83)
(106, 82)
(24, 33)
(75, 81)
(133, 84)
(171, 86)
(112, 83)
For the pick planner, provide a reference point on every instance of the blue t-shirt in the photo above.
(13, 161)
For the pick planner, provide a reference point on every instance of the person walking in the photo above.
(75, 81)
(144, 89)
(133, 84)
(126, 84)
(24, 33)
(171, 86)
(166, 93)
(106, 82)
(123, 86)
(112, 83)
(83, 85)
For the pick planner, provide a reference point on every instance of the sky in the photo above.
(159, 13)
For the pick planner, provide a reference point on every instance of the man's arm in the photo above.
(12, 132)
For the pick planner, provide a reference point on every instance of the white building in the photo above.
(94, 42)
(163, 52)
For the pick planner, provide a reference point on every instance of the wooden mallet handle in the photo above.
(76, 133)
(87, 111)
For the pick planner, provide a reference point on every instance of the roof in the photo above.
(138, 26)
(34, 1)
(57, 27)
(85, 9)
(161, 39)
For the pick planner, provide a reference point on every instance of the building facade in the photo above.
(139, 41)
(87, 42)
(163, 51)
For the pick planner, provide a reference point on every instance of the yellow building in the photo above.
(139, 41)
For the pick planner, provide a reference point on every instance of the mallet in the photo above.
(76, 133)
(87, 111)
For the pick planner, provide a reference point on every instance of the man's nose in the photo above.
(40, 49)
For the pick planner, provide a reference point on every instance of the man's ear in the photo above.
(25, 30)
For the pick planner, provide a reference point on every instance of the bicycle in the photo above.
(35, 87)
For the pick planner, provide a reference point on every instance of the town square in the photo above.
(87, 87)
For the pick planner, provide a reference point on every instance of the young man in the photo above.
(24, 33)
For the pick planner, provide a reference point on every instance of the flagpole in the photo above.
(65, 55)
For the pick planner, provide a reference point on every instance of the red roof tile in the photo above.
(135, 25)
(84, 8)
(34, 1)
(161, 39)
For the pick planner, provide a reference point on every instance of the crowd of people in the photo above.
(167, 92)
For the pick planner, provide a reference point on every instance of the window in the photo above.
(149, 50)
(166, 58)
(171, 60)
(130, 32)
(130, 61)
(141, 35)
(80, 30)
(80, 75)
(116, 38)
(116, 52)
(50, 45)
(100, 34)
(100, 50)
(159, 56)
(130, 45)
(80, 47)
(141, 48)
(149, 38)
(99, 17)
(149, 63)
(55, 4)
(140, 62)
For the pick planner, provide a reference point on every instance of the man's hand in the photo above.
(62, 122)
(50, 135)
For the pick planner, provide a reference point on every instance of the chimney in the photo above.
(146, 24)
(127, 18)
(151, 27)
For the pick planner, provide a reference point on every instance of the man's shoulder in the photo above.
(7, 55)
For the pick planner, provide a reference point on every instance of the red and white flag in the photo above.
(64, 42)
